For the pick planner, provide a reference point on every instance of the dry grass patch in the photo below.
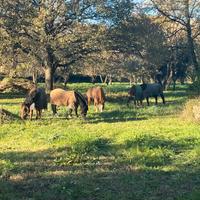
(191, 111)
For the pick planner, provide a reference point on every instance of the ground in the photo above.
(124, 153)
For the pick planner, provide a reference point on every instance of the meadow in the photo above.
(124, 153)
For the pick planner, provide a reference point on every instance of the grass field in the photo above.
(124, 153)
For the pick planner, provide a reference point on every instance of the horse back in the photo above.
(97, 93)
(153, 89)
(61, 97)
(101, 95)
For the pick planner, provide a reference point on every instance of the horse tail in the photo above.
(81, 101)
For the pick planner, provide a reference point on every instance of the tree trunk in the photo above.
(110, 80)
(130, 81)
(190, 41)
(34, 76)
(101, 78)
(93, 79)
(48, 79)
(106, 79)
(65, 81)
(191, 49)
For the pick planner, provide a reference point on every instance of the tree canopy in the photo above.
(97, 36)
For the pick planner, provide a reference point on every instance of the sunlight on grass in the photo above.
(115, 153)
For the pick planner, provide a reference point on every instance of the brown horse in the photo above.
(35, 99)
(71, 99)
(98, 96)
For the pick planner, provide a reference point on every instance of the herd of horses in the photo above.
(37, 99)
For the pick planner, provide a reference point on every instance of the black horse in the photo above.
(36, 99)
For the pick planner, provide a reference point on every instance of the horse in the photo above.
(144, 91)
(136, 92)
(71, 99)
(98, 96)
(36, 99)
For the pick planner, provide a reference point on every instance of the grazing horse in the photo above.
(98, 96)
(143, 91)
(71, 99)
(35, 99)
(136, 93)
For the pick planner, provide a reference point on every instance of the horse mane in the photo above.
(30, 97)
(102, 97)
(143, 86)
(81, 99)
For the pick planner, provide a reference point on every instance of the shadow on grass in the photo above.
(12, 95)
(115, 116)
(120, 100)
(97, 171)
(10, 103)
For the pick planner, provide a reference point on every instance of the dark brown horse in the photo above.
(70, 99)
(97, 95)
(36, 99)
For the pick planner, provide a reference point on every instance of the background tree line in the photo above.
(142, 41)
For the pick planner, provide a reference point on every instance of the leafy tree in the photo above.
(58, 33)
(143, 42)
(186, 14)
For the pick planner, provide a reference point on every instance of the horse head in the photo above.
(132, 91)
(24, 111)
(83, 103)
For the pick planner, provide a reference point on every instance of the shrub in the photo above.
(191, 110)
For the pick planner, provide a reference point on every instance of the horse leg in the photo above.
(31, 114)
(135, 102)
(40, 113)
(70, 113)
(75, 110)
(89, 101)
(129, 99)
(103, 105)
(37, 114)
(141, 102)
(156, 100)
(53, 107)
(96, 105)
(101, 108)
(147, 98)
(163, 98)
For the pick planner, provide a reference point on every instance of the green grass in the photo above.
(124, 153)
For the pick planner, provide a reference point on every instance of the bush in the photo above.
(191, 110)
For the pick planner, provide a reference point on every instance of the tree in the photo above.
(51, 31)
(186, 14)
(142, 42)
(59, 33)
